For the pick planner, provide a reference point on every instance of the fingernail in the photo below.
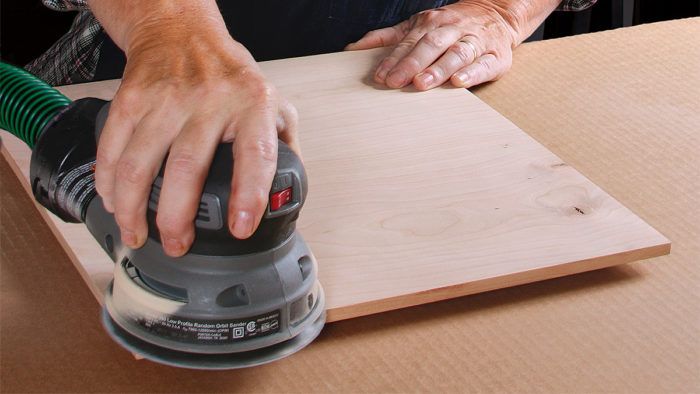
(243, 226)
(129, 238)
(108, 205)
(396, 79)
(173, 246)
(462, 78)
(425, 79)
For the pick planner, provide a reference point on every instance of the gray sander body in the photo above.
(239, 311)
(227, 303)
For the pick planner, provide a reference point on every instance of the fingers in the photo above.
(441, 44)
(255, 154)
(131, 156)
(287, 123)
(486, 68)
(429, 48)
(458, 55)
(138, 165)
(387, 65)
(379, 38)
(185, 173)
(113, 140)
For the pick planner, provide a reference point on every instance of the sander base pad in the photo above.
(212, 361)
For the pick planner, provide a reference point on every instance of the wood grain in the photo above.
(416, 197)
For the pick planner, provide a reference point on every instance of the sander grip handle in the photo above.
(289, 188)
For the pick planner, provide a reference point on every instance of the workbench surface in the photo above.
(619, 106)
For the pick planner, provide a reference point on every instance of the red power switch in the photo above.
(280, 198)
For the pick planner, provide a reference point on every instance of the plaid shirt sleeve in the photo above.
(575, 5)
(73, 58)
(66, 5)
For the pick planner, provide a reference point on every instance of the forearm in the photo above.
(128, 21)
(523, 16)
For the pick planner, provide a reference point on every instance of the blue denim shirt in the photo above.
(273, 29)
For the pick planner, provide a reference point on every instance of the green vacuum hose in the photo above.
(27, 103)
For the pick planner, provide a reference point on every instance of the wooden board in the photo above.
(416, 197)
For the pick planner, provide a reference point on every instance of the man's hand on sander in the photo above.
(467, 43)
(187, 87)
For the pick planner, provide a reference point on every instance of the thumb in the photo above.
(385, 37)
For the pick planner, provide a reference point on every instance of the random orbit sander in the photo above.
(227, 303)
